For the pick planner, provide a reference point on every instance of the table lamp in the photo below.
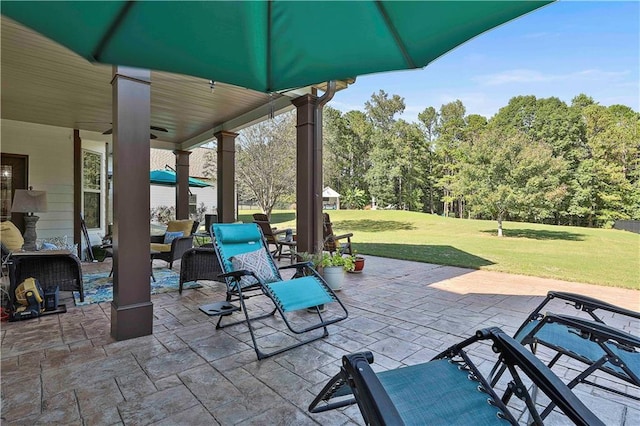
(30, 202)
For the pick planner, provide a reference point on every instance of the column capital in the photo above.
(305, 99)
(225, 134)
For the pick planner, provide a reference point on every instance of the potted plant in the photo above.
(334, 267)
(358, 263)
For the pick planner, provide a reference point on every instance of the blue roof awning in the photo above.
(168, 178)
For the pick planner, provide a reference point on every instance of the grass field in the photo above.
(597, 256)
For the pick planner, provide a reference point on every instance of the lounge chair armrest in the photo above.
(375, 404)
(594, 330)
(236, 274)
(589, 304)
(343, 236)
(297, 265)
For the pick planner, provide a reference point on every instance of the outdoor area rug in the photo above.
(98, 287)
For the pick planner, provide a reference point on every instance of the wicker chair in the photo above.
(178, 246)
(200, 263)
(50, 268)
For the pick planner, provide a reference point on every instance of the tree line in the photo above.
(535, 160)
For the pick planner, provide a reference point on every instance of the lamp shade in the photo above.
(28, 201)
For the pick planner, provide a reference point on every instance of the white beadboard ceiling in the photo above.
(45, 83)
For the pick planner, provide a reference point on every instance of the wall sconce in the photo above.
(30, 202)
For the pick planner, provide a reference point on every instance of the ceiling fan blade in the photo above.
(159, 129)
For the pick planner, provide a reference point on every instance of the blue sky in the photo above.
(562, 50)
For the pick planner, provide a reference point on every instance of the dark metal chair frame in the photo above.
(602, 348)
(237, 293)
(358, 383)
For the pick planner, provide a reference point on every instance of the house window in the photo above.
(193, 204)
(91, 188)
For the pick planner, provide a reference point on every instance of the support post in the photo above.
(182, 184)
(226, 176)
(309, 177)
(131, 309)
(77, 189)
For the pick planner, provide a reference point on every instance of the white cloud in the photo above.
(520, 76)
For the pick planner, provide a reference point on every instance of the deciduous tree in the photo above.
(506, 173)
(266, 158)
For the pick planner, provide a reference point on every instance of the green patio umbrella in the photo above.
(168, 178)
(265, 45)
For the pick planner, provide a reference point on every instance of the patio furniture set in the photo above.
(450, 386)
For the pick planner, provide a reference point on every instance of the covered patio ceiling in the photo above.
(45, 83)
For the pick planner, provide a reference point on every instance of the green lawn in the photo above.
(597, 256)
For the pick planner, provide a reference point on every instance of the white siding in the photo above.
(50, 151)
(166, 196)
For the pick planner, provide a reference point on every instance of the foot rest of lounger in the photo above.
(219, 308)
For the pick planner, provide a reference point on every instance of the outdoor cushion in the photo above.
(239, 234)
(170, 236)
(161, 247)
(183, 226)
(257, 262)
(10, 236)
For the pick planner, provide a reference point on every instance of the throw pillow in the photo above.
(183, 226)
(256, 262)
(57, 243)
(49, 246)
(10, 236)
(170, 236)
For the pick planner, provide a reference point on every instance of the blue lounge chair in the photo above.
(587, 338)
(450, 389)
(249, 270)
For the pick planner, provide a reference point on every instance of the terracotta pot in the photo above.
(359, 264)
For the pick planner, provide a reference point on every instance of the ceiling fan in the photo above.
(110, 131)
(151, 135)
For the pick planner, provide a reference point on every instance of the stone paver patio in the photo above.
(66, 369)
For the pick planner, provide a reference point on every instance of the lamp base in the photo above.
(30, 232)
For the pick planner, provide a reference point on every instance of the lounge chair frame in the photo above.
(239, 293)
(358, 383)
(602, 347)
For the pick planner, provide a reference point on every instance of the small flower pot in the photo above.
(358, 265)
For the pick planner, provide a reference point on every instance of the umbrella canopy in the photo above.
(265, 46)
(168, 178)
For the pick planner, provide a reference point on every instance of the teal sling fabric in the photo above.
(300, 293)
(424, 394)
